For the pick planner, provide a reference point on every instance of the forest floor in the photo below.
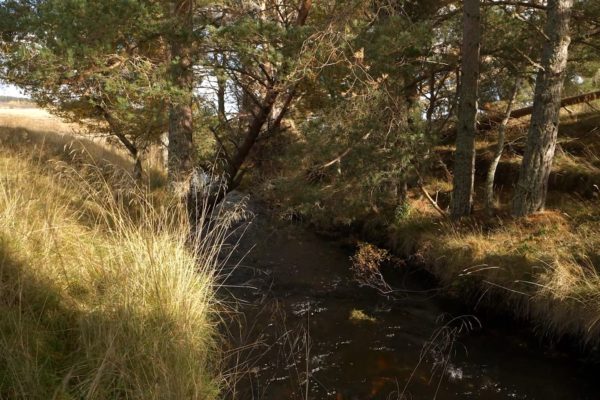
(95, 273)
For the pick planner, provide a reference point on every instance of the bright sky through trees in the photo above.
(10, 90)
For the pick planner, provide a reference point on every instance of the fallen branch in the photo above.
(433, 203)
(522, 112)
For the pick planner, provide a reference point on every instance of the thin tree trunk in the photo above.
(138, 170)
(252, 134)
(532, 187)
(221, 91)
(164, 151)
(235, 172)
(181, 151)
(489, 183)
(432, 100)
(464, 164)
(182, 174)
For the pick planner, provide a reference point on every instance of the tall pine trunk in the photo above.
(181, 151)
(464, 158)
(532, 187)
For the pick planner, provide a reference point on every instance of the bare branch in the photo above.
(515, 4)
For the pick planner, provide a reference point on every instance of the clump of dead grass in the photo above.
(101, 295)
(543, 267)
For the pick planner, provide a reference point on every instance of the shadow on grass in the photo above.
(34, 333)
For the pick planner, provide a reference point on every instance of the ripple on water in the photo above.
(305, 307)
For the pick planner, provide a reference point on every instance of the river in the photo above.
(300, 313)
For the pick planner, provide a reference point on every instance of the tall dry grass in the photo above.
(31, 125)
(543, 268)
(35, 119)
(101, 295)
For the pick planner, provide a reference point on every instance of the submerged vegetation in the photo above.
(101, 295)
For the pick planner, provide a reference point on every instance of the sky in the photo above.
(10, 90)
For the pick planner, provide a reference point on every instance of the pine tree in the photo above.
(181, 155)
(532, 187)
(464, 164)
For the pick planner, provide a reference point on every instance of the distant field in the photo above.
(38, 125)
(36, 119)
(15, 102)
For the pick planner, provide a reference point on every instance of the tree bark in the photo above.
(164, 151)
(181, 151)
(489, 183)
(464, 164)
(138, 170)
(432, 100)
(532, 187)
(221, 87)
(254, 129)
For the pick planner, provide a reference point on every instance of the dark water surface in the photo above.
(295, 288)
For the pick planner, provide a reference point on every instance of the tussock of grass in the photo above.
(543, 268)
(100, 295)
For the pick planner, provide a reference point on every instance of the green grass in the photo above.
(100, 294)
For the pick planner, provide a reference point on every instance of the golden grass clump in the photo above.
(100, 294)
(543, 268)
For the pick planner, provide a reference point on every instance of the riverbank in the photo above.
(100, 295)
(540, 268)
(544, 269)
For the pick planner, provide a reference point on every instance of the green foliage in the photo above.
(360, 133)
(371, 82)
(67, 59)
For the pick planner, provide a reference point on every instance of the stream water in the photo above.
(302, 315)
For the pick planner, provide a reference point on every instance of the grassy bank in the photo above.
(100, 296)
(544, 268)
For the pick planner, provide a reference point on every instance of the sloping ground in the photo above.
(100, 296)
(576, 167)
(544, 268)
(34, 126)
(36, 131)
